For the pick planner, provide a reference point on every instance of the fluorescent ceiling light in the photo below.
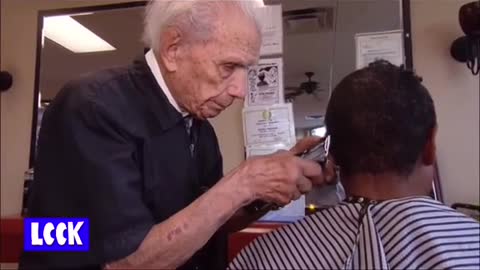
(70, 34)
(81, 14)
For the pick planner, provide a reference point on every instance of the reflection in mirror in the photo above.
(319, 50)
(82, 41)
(309, 36)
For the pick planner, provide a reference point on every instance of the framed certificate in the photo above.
(271, 126)
(379, 45)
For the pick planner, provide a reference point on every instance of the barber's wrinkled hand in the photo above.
(280, 177)
(329, 172)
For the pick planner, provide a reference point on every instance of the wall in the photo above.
(334, 51)
(18, 47)
(360, 17)
(456, 95)
(229, 129)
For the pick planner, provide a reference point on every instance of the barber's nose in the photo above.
(240, 85)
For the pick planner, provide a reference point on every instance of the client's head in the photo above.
(382, 124)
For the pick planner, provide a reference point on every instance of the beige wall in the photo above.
(229, 129)
(455, 92)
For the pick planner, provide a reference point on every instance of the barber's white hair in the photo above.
(193, 16)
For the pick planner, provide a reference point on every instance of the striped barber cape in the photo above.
(407, 233)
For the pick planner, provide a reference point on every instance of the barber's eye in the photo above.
(227, 69)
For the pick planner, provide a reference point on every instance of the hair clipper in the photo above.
(318, 153)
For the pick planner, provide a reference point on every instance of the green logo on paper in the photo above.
(267, 115)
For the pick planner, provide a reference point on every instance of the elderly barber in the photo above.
(130, 148)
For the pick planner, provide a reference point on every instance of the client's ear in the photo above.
(430, 150)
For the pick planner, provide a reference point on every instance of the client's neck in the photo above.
(384, 186)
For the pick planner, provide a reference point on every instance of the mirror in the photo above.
(320, 50)
(95, 38)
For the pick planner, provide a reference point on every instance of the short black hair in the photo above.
(379, 119)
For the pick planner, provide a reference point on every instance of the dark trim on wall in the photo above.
(65, 11)
(36, 90)
(38, 57)
(407, 34)
(0, 92)
(408, 45)
(437, 184)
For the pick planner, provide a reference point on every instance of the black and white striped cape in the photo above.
(409, 233)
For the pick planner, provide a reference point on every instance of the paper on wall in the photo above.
(271, 21)
(265, 83)
(269, 126)
(379, 45)
(262, 151)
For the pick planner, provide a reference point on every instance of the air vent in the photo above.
(314, 117)
(305, 21)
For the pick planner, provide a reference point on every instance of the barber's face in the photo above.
(214, 73)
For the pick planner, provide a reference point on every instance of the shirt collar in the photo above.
(155, 69)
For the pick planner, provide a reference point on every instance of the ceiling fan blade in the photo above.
(294, 94)
(320, 94)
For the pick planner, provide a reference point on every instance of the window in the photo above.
(320, 131)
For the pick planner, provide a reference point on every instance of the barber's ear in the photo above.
(430, 150)
(169, 48)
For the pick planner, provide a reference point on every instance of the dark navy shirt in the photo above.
(113, 149)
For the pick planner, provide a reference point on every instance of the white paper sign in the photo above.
(271, 21)
(379, 45)
(262, 151)
(265, 83)
(269, 125)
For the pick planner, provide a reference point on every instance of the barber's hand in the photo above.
(329, 175)
(280, 177)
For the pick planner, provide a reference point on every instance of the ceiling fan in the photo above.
(308, 87)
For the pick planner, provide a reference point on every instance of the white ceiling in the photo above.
(314, 52)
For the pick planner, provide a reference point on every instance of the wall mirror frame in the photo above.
(407, 43)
